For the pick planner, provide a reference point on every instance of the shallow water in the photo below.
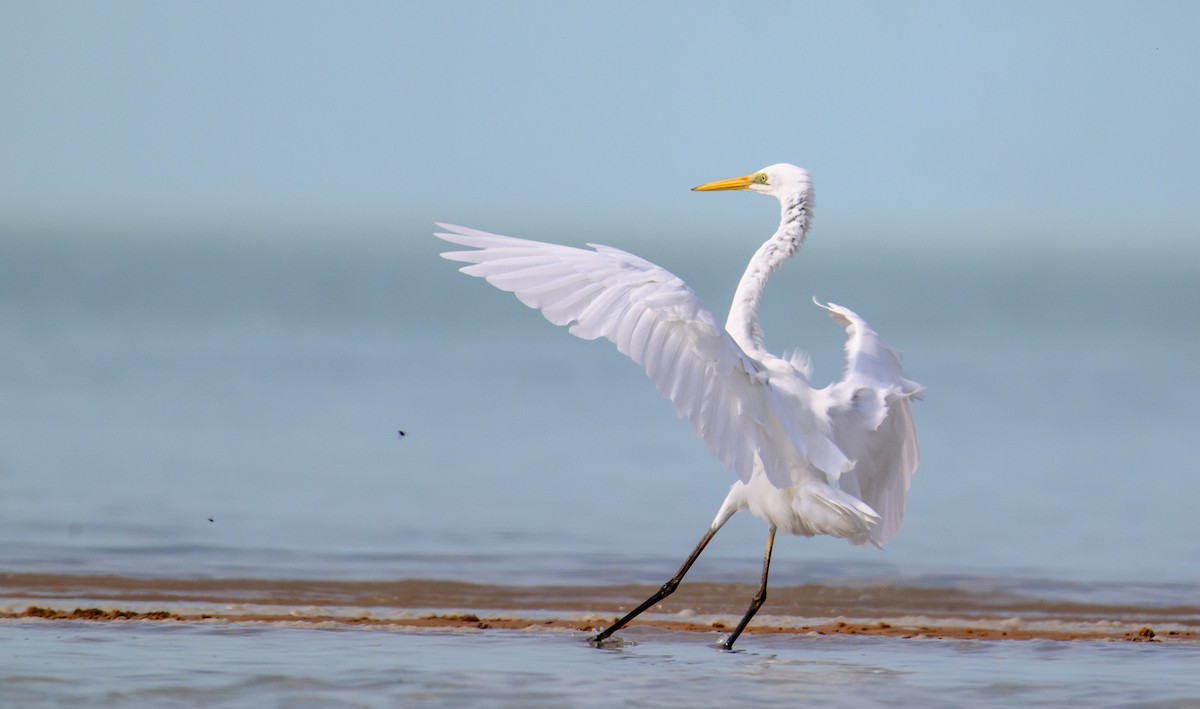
(200, 406)
(70, 664)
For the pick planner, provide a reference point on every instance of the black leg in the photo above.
(667, 589)
(759, 598)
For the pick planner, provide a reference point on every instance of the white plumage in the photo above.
(833, 461)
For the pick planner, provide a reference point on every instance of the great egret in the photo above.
(834, 461)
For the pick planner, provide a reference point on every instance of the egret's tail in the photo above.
(828, 510)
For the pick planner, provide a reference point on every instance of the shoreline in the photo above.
(422, 605)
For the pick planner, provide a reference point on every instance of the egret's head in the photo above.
(779, 181)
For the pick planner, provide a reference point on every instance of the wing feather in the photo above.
(655, 319)
(872, 423)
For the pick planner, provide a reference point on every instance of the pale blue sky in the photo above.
(1064, 120)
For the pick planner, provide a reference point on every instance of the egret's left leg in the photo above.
(759, 598)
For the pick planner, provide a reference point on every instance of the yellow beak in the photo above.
(737, 183)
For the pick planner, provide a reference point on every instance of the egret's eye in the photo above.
(761, 178)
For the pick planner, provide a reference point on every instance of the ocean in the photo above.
(340, 405)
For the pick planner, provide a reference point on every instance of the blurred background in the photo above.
(220, 300)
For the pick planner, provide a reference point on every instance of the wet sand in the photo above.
(877, 610)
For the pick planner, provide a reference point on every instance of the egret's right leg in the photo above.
(667, 588)
(759, 598)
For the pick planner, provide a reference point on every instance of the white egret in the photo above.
(835, 460)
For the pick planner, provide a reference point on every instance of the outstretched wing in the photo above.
(655, 319)
(872, 422)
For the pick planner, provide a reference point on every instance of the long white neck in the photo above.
(742, 325)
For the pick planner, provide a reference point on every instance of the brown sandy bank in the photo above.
(704, 607)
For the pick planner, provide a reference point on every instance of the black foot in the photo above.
(608, 641)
